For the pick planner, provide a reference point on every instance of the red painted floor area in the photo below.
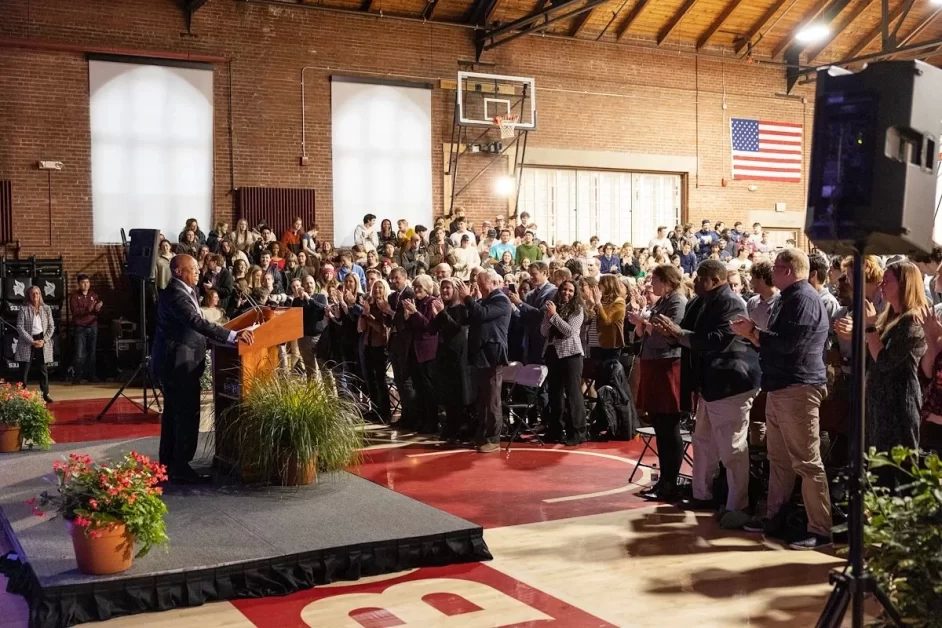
(453, 596)
(532, 484)
(76, 421)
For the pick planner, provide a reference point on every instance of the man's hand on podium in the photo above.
(245, 336)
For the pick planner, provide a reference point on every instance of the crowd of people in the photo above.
(709, 323)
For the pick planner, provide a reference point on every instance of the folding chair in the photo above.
(650, 445)
(524, 381)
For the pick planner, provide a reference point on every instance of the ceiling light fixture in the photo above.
(812, 33)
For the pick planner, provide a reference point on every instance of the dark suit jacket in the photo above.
(400, 337)
(531, 312)
(424, 336)
(727, 364)
(314, 313)
(489, 320)
(181, 333)
(225, 286)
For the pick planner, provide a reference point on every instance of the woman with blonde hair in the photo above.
(419, 313)
(35, 327)
(242, 237)
(374, 330)
(896, 343)
(610, 317)
(452, 373)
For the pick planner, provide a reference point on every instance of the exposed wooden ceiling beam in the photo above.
(705, 36)
(872, 34)
(921, 26)
(758, 24)
(491, 8)
(838, 30)
(579, 23)
(366, 5)
(429, 9)
(807, 18)
(665, 32)
(632, 16)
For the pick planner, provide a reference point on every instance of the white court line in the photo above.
(645, 473)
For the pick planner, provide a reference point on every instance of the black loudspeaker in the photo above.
(142, 253)
(874, 156)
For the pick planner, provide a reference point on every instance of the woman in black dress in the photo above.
(451, 375)
(896, 343)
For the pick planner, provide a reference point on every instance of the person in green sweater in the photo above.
(528, 249)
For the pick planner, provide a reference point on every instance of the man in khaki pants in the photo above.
(791, 352)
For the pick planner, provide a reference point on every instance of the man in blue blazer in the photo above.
(531, 310)
(489, 319)
(727, 374)
(178, 361)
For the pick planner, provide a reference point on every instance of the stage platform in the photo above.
(227, 541)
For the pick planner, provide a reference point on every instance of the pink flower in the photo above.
(93, 503)
(82, 522)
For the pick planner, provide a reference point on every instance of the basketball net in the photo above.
(507, 125)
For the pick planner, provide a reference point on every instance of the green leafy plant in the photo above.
(25, 408)
(93, 496)
(285, 417)
(903, 533)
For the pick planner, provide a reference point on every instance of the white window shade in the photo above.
(382, 154)
(152, 147)
(618, 207)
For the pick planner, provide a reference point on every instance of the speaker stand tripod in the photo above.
(143, 369)
(855, 582)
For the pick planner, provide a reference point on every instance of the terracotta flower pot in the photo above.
(10, 440)
(297, 473)
(111, 552)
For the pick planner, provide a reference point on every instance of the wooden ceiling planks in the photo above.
(850, 14)
(764, 28)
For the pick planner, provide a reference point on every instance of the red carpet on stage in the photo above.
(75, 421)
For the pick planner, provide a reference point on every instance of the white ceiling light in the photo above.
(504, 185)
(812, 33)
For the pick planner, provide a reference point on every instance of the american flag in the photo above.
(766, 151)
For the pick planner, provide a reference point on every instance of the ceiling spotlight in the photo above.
(504, 186)
(812, 33)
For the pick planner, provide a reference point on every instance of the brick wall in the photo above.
(601, 97)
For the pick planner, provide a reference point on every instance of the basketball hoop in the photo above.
(507, 125)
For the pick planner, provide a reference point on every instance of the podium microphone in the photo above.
(259, 312)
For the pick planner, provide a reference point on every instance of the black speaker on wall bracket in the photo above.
(874, 159)
(142, 253)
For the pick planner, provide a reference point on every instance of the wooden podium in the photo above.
(235, 366)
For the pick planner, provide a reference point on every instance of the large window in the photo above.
(152, 147)
(382, 154)
(619, 207)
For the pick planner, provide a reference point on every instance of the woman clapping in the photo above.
(563, 355)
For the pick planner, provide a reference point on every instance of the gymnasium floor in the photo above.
(572, 546)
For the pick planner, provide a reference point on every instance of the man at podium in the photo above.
(178, 361)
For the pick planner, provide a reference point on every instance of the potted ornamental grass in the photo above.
(23, 417)
(110, 509)
(289, 426)
(903, 534)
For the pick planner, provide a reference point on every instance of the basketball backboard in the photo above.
(484, 97)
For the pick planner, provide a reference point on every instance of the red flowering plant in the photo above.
(27, 410)
(93, 496)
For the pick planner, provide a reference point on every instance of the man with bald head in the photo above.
(178, 361)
